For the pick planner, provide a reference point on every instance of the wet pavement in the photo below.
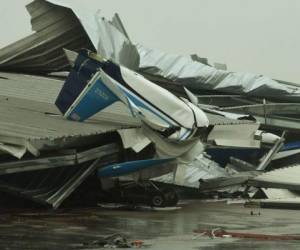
(79, 228)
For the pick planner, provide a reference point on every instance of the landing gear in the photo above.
(158, 200)
(165, 197)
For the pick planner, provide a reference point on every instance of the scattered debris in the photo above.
(115, 241)
(131, 207)
(221, 233)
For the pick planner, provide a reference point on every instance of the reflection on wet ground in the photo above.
(75, 229)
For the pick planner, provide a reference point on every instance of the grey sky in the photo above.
(260, 36)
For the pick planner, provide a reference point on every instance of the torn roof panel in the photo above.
(59, 27)
(189, 174)
(29, 87)
(56, 28)
(18, 122)
(286, 178)
(36, 130)
(39, 94)
(198, 76)
(108, 37)
(28, 115)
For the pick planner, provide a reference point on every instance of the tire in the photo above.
(158, 200)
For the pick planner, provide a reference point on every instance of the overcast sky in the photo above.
(260, 36)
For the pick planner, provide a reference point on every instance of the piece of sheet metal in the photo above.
(271, 154)
(286, 154)
(108, 37)
(197, 76)
(134, 138)
(52, 185)
(112, 41)
(55, 28)
(284, 178)
(188, 175)
(266, 109)
(55, 161)
(29, 119)
(15, 150)
(223, 183)
(235, 135)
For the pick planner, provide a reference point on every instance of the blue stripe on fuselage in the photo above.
(141, 103)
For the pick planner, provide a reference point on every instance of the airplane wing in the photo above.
(140, 167)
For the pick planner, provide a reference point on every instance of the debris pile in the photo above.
(79, 98)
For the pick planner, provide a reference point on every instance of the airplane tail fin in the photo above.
(83, 93)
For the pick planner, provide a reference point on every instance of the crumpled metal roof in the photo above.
(108, 37)
(32, 124)
(62, 25)
(29, 115)
(286, 178)
(55, 28)
(29, 87)
(189, 174)
(198, 76)
(50, 181)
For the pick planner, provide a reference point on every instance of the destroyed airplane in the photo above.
(127, 123)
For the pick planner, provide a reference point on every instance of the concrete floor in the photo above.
(77, 228)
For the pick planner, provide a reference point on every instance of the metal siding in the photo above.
(56, 28)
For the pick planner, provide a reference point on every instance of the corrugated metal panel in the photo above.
(286, 178)
(36, 93)
(18, 122)
(53, 185)
(35, 96)
(201, 168)
(56, 28)
(28, 114)
(59, 159)
(45, 89)
(182, 70)
(29, 87)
